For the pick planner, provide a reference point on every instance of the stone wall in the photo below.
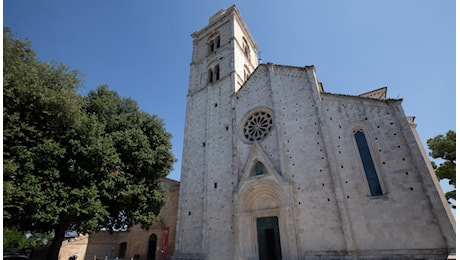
(135, 241)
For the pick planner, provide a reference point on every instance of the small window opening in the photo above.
(210, 76)
(211, 46)
(259, 169)
(216, 72)
(217, 42)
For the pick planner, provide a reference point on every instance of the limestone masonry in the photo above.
(274, 167)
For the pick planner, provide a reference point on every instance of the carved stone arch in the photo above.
(262, 196)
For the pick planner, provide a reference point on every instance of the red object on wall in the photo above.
(164, 247)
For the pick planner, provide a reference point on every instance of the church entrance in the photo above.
(268, 238)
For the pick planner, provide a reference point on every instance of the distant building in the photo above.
(137, 243)
(275, 167)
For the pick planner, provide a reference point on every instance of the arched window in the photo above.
(213, 43)
(258, 169)
(368, 164)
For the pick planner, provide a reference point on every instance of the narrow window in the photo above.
(210, 76)
(368, 164)
(217, 42)
(211, 46)
(216, 72)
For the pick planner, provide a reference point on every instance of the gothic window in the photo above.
(214, 43)
(257, 126)
(258, 169)
(214, 74)
(368, 164)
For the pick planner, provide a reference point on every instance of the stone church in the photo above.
(276, 167)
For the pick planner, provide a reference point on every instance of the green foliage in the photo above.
(443, 147)
(92, 161)
(15, 240)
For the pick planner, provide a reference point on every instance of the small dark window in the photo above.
(217, 42)
(259, 169)
(368, 164)
(216, 72)
(210, 76)
(211, 46)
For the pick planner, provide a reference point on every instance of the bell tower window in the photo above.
(210, 76)
(213, 43)
(214, 74)
(217, 72)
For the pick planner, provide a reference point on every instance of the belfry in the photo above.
(275, 167)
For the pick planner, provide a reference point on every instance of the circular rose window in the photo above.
(257, 126)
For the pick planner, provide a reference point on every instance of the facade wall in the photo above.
(312, 179)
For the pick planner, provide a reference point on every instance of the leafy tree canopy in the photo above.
(443, 147)
(86, 162)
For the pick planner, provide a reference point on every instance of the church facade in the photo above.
(275, 167)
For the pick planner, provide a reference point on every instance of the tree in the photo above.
(443, 147)
(73, 161)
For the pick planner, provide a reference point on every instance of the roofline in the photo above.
(387, 100)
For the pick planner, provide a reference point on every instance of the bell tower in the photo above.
(224, 56)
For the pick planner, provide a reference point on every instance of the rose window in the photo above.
(258, 126)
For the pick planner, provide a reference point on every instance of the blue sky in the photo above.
(142, 49)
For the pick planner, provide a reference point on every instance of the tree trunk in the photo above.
(59, 234)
